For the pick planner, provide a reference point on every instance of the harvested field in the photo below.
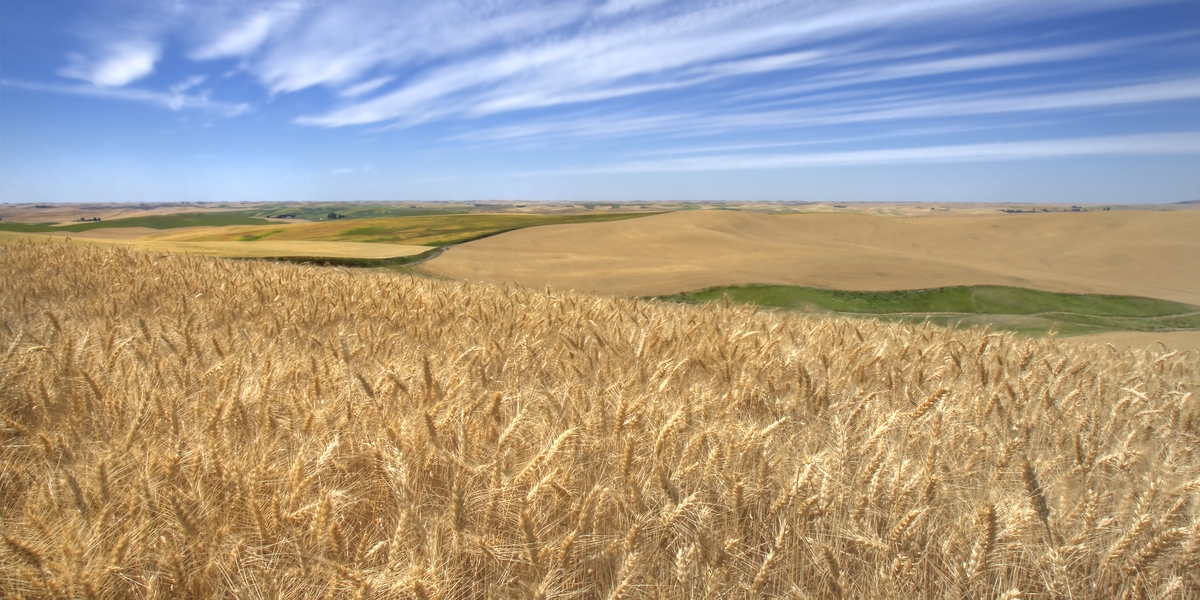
(1140, 340)
(190, 426)
(1132, 253)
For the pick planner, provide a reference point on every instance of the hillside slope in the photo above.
(180, 425)
(1133, 253)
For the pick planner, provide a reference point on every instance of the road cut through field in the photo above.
(1147, 253)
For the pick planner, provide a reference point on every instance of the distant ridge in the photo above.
(1189, 202)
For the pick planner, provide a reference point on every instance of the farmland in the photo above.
(866, 261)
(361, 241)
(1027, 311)
(316, 211)
(172, 221)
(1147, 253)
(192, 426)
(428, 230)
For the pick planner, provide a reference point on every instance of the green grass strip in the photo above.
(1011, 308)
(320, 211)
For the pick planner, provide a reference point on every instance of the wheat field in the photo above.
(178, 426)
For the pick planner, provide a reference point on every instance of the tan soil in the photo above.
(1140, 340)
(1137, 252)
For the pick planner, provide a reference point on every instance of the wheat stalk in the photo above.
(174, 425)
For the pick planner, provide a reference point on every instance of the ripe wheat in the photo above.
(174, 426)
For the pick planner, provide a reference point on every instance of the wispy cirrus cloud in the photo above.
(338, 45)
(867, 108)
(349, 170)
(655, 47)
(702, 66)
(1131, 145)
(237, 35)
(175, 100)
(479, 89)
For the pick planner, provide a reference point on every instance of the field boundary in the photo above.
(366, 263)
(1024, 310)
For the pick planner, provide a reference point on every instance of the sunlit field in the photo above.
(182, 425)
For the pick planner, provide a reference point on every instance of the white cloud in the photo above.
(349, 170)
(966, 105)
(616, 7)
(365, 87)
(188, 84)
(587, 126)
(247, 34)
(619, 50)
(339, 43)
(405, 63)
(850, 108)
(1165, 143)
(172, 101)
(117, 64)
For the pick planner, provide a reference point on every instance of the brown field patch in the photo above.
(1141, 253)
(1140, 340)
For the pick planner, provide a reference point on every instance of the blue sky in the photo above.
(820, 100)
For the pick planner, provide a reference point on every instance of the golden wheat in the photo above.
(177, 426)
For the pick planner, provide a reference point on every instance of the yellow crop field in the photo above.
(175, 425)
(262, 249)
(1148, 253)
(271, 249)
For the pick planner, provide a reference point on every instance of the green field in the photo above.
(435, 231)
(153, 222)
(353, 210)
(1026, 311)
